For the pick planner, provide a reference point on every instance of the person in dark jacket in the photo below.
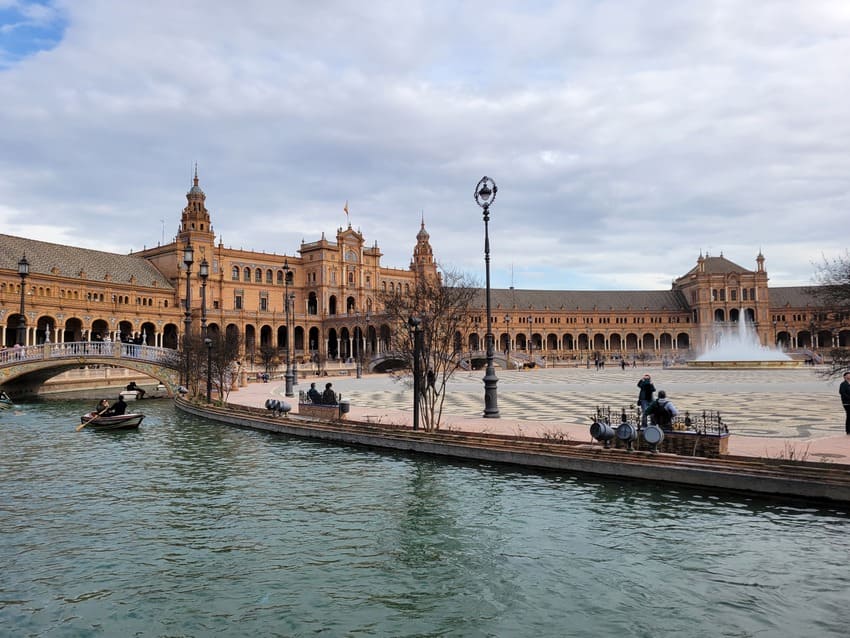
(647, 390)
(844, 391)
(118, 408)
(329, 396)
(314, 395)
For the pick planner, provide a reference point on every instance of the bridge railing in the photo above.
(91, 349)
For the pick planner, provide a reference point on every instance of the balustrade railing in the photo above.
(86, 349)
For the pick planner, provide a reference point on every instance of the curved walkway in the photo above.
(792, 414)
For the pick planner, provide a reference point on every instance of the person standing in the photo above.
(844, 391)
(647, 390)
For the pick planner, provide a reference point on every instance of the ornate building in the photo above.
(72, 294)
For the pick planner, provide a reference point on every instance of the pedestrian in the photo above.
(662, 411)
(844, 391)
(647, 390)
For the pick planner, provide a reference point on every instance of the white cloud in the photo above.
(625, 137)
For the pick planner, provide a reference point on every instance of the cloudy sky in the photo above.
(625, 136)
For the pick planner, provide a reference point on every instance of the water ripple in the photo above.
(189, 528)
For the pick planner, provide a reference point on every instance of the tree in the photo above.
(442, 304)
(224, 362)
(833, 291)
(269, 357)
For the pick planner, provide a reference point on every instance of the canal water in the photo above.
(189, 528)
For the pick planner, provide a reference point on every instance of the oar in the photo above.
(82, 425)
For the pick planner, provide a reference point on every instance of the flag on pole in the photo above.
(345, 208)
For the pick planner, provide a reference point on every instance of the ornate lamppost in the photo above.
(485, 194)
(204, 273)
(508, 348)
(209, 344)
(188, 260)
(294, 358)
(288, 376)
(358, 333)
(23, 271)
(530, 321)
(414, 323)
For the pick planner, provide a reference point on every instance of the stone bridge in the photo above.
(31, 366)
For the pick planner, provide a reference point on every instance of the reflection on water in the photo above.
(190, 528)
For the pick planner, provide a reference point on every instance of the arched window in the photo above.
(234, 273)
(269, 276)
(280, 277)
(246, 274)
(258, 275)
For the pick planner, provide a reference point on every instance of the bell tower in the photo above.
(195, 225)
(423, 255)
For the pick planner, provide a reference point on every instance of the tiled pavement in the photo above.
(768, 412)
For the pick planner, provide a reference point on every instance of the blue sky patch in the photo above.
(27, 28)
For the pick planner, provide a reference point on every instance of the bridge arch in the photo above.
(29, 367)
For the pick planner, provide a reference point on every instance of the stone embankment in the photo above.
(824, 482)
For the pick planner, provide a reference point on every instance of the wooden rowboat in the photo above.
(127, 421)
(5, 400)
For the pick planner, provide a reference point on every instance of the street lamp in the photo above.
(23, 271)
(414, 324)
(294, 358)
(188, 260)
(288, 375)
(485, 194)
(508, 348)
(530, 321)
(208, 343)
(203, 273)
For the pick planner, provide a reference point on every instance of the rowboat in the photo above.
(120, 422)
(5, 401)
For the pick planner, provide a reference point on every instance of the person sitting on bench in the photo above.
(329, 396)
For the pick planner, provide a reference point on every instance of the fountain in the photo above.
(737, 346)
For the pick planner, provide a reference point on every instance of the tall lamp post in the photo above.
(188, 260)
(23, 271)
(208, 343)
(358, 332)
(294, 358)
(530, 321)
(203, 273)
(414, 323)
(485, 194)
(508, 349)
(288, 377)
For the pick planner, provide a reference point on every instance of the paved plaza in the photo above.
(779, 413)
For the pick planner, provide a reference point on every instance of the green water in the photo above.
(188, 528)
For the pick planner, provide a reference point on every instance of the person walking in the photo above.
(647, 390)
(844, 392)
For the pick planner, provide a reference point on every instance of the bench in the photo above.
(322, 411)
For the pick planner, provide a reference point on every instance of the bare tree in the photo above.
(223, 357)
(833, 291)
(269, 357)
(442, 304)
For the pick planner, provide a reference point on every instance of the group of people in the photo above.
(104, 409)
(328, 397)
(660, 409)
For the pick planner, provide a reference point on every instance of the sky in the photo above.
(626, 137)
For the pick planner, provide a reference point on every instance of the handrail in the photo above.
(90, 349)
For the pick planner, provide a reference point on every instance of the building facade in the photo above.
(335, 286)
